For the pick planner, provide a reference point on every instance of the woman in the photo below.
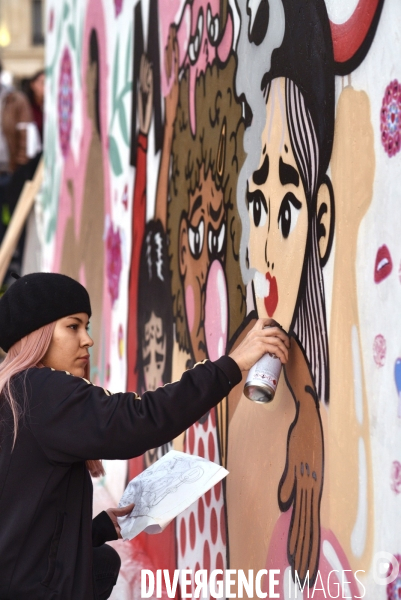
(54, 424)
(36, 95)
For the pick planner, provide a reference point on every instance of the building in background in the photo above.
(22, 37)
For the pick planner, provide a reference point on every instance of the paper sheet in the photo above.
(165, 489)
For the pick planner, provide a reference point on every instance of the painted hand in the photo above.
(145, 94)
(301, 486)
(119, 512)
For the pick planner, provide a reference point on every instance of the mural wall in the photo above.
(209, 162)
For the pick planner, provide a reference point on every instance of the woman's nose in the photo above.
(88, 341)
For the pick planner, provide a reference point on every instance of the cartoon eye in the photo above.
(195, 40)
(212, 27)
(258, 207)
(288, 213)
(258, 20)
(216, 240)
(195, 239)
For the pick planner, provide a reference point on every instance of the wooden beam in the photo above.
(18, 219)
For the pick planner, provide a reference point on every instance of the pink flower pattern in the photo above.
(379, 350)
(396, 477)
(394, 588)
(390, 118)
(51, 21)
(65, 102)
(118, 5)
(125, 197)
(114, 262)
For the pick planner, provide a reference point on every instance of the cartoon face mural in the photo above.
(286, 203)
(202, 221)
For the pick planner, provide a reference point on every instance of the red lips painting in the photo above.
(271, 300)
(383, 264)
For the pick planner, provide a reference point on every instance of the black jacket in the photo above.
(45, 487)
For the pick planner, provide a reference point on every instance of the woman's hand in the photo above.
(301, 484)
(265, 337)
(119, 512)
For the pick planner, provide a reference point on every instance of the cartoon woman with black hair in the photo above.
(286, 203)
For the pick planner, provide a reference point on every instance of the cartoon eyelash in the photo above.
(195, 239)
(288, 213)
(213, 27)
(258, 207)
(195, 40)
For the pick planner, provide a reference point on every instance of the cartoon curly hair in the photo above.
(217, 147)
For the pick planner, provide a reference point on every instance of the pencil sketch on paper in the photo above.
(160, 480)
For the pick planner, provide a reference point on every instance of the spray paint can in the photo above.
(262, 380)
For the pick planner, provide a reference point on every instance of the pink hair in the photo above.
(24, 354)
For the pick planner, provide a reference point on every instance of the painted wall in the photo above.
(209, 162)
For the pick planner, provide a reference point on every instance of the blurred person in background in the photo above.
(34, 88)
(15, 115)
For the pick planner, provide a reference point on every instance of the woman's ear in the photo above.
(325, 219)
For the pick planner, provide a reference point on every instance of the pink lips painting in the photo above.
(383, 264)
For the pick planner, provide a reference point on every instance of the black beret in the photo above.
(36, 300)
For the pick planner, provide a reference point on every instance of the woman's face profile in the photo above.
(278, 214)
(69, 348)
(154, 352)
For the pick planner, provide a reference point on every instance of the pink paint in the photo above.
(394, 588)
(277, 559)
(396, 477)
(190, 307)
(113, 261)
(125, 197)
(208, 52)
(51, 21)
(379, 350)
(216, 311)
(82, 276)
(173, 12)
(65, 102)
(390, 118)
(200, 16)
(118, 6)
(74, 169)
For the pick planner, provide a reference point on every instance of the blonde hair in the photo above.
(24, 354)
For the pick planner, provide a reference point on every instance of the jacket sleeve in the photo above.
(74, 420)
(103, 530)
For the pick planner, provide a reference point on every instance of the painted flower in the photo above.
(396, 477)
(51, 20)
(390, 118)
(114, 261)
(394, 588)
(379, 350)
(118, 5)
(65, 102)
(125, 197)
